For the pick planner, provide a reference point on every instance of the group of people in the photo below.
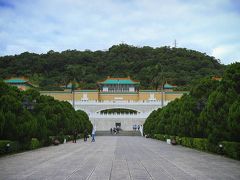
(85, 135)
(136, 127)
(114, 130)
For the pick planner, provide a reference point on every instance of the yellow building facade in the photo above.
(85, 95)
(117, 89)
(114, 94)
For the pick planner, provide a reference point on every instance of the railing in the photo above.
(119, 102)
(118, 115)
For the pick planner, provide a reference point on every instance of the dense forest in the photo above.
(149, 65)
(211, 110)
(27, 114)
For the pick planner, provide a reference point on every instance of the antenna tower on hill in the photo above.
(175, 43)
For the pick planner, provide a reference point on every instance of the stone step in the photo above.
(121, 133)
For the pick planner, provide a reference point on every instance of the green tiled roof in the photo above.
(168, 86)
(119, 81)
(15, 81)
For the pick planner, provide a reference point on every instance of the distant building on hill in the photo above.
(119, 85)
(216, 78)
(115, 100)
(21, 83)
(168, 87)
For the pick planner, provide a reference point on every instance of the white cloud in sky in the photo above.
(41, 25)
(226, 52)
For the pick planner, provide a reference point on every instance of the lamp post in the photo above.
(73, 93)
(162, 84)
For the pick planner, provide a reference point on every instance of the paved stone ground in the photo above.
(118, 158)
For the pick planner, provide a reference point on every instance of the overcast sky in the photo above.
(210, 26)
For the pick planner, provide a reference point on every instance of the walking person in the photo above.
(111, 131)
(74, 136)
(93, 134)
(85, 135)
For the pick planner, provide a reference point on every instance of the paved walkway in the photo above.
(118, 158)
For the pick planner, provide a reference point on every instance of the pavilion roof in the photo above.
(169, 86)
(15, 81)
(19, 80)
(111, 80)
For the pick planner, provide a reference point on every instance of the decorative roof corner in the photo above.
(169, 86)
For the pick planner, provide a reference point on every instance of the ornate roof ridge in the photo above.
(118, 78)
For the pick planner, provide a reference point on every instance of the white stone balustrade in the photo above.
(118, 115)
(121, 102)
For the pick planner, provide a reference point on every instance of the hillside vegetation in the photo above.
(179, 66)
(27, 114)
(211, 110)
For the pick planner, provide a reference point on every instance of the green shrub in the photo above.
(68, 137)
(34, 144)
(60, 137)
(196, 143)
(186, 141)
(164, 137)
(47, 141)
(159, 137)
(213, 148)
(178, 139)
(200, 144)
(231, 149)
(13, 146)
(80, 136)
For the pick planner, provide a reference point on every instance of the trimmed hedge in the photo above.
(61, 138)
(159, 137)
(200, 144)
(34, 144)
(164, 137)
(231, 149)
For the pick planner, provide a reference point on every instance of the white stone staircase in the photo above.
(121, 133)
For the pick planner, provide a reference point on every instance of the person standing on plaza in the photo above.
(85, 135)
(93, 134)
(74, 136)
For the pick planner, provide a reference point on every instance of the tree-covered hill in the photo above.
(211, 110)
(180, 66)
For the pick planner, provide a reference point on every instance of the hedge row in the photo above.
(230, 149)
(7, 146)
(61, 137)
(200, 144)
(34, 144)
(164, 137)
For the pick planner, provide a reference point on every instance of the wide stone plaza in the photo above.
(118, 157)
